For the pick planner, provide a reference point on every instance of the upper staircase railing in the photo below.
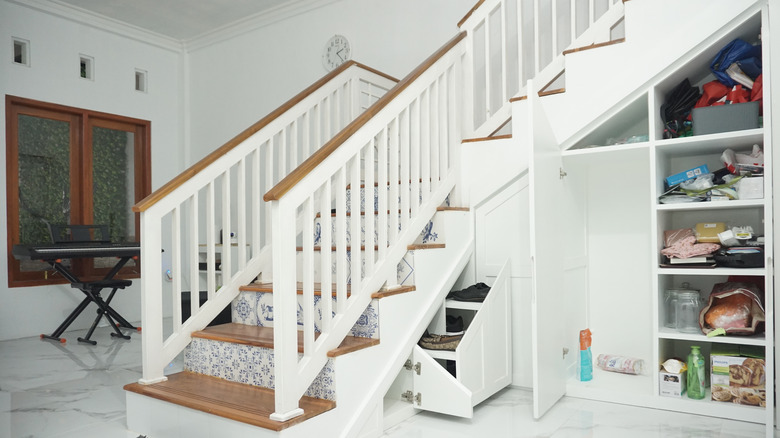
(223, 192)
(405, 146)
(512, 41)
(349, 130)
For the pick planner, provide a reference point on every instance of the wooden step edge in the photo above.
(449, 208)
(495, 137)
(552, 92)
(518, 98)
(269, 288)
(594, 46)
(235, 401)
(394, 291)
(416, 246)
(351, 344)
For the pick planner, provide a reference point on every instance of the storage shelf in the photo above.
(757, 272)
(712, 205)
(667, 333)
(699, 144)
(706, 406)
(463, 305)
(638, 390)
(441, 354)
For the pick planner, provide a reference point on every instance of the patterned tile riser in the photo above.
(256, 308)
(429, 234)
(249, 365)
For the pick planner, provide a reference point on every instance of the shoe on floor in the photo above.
(439, 342)
(454, 325)
(475, 293)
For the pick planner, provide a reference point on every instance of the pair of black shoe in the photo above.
(475, 293)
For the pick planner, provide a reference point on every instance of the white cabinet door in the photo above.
(437, 390)
(547, 257)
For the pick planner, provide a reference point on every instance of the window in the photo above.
(86, 67)
(21, 52)
(71, 166)
(140, 80)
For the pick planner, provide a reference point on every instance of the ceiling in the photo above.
(180, 19)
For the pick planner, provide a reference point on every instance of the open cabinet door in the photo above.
(547, 257)
(436, 390)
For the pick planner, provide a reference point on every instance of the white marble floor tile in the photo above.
(51, 390)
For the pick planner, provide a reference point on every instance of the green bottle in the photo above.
(695, 374)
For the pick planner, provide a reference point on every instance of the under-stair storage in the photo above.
(454, 381)
(596, 249)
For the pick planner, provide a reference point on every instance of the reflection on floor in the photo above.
(75, 390)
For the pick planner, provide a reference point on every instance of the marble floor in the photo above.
(52, 390)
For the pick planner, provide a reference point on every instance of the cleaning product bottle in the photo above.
(586, 357)
(695, 374)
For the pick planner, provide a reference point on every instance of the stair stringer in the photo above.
(362, 378)
(602, 78)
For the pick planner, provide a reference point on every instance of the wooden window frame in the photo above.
(82, 122)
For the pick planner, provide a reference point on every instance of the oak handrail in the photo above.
(470, 12)
(171, 185)
(294, 177)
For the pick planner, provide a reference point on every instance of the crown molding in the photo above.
(254, 22)
(101, 22)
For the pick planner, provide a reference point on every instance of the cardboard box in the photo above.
(724, 118)
(677, 178)
(738, 375)
(672, 384)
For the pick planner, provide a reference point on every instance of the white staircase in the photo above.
(408, 142)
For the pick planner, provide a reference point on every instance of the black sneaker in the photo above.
(475, 293)
(454, 325)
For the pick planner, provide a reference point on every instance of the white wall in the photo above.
(53, 76)
(235, 83)
(207, 93)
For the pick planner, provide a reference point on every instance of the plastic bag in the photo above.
(738, 51)
(736, 308)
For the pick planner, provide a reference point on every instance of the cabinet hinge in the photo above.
(418, 398)
(416, 367)
(408, 396)
(561, 173)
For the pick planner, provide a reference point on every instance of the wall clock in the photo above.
(337, 51)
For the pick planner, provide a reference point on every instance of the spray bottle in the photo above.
(586, 357)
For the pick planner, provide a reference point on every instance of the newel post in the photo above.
(285, 312)
(151, 299)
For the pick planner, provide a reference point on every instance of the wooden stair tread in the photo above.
(394, 291)
(495, 137)
(235, 401)
(257, 336)
(594, 46)
(269, 288)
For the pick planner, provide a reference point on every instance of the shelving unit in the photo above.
(607, 214)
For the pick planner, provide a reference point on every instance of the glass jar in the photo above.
(687, 310)
(670, 304)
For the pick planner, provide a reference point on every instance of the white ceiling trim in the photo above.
(97, 21)
(253, 22)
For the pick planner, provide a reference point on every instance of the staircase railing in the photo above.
(512, 41)
(405, 146)
(221, 196)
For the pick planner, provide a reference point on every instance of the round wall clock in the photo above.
(337, 51)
